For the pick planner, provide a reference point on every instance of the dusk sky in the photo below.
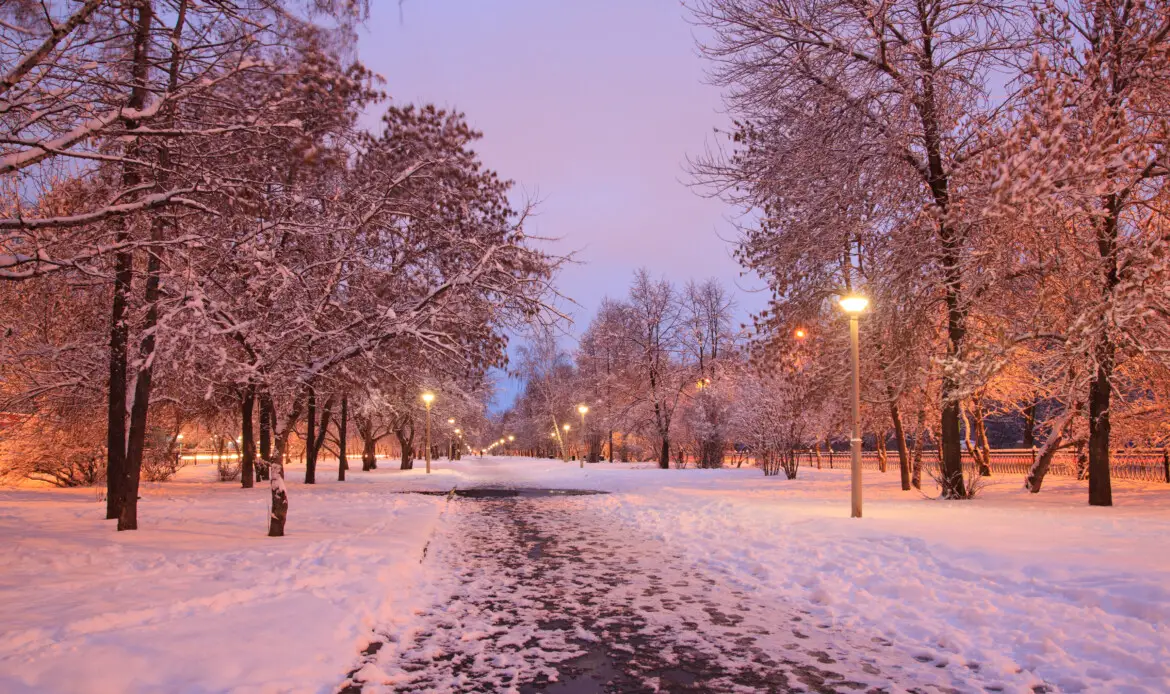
(591, 108)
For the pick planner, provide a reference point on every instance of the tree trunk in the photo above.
(1030, 425)
(279, 513)
(664, 454)
(880, 445)
(981, 441)
(116, 402)
(310, 439)
(900, 440)
(611, 445)
(247, 439)
(1100, 485)
(267, 423)
(405, 436)
(116, 443)
(1044, 460)
(342, 462)
(369, 454)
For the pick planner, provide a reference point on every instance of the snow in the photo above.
(1011, 590)
(199, 598)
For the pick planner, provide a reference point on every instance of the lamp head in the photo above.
(566, 427)
(800, 334)
(853, 304)
(511, 437)
(450, 420)
(428, 398)
(582, 408)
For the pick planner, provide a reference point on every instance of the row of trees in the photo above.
(992, 175)
(196, 227)
(665, 377)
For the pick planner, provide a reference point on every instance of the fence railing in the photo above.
(1146, 465)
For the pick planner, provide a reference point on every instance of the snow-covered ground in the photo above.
(199, 599)
(1010, 590)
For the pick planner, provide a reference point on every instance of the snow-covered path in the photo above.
(550, 594)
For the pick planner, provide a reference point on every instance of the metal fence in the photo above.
(1146, 465)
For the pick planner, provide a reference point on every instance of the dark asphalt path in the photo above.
(550, 595)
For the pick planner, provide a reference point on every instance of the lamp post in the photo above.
(853, 306)
(451, 440)
(459, 444)
(511, 440)
(427, 399)
(583, 409)
(565, 444)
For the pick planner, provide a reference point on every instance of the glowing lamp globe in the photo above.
(853, 305)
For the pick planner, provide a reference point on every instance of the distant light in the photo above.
(801, 334)
(582, 408)
(511, 438)
(450, 420)
(428, 398)
(853, 304)
(459, 431)
(566, 427)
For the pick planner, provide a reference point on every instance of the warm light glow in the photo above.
(428, 398)
(459, 432)
(582, 408)
(450, 420)
(179, 437)
(853, 304)
(801, 334)
(566, 427)
(511, 438)
(703, 383)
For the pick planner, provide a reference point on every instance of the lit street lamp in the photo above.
(853, 306)
(451, 440)
(565, 444)
(427, 399)
(583, 409)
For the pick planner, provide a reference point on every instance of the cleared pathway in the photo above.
(548, 594)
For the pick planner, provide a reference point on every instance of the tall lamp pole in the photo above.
(451, 440)
(583, 409)
(853, 306)
(565, 444)
(427, 399)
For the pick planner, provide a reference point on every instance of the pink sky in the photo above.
(591, 107)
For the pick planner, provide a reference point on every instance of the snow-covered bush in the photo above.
(64, 452)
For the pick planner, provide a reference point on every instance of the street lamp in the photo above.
(565, 444)
(583, 409)
(427, 399)
(800, 334)
(853, 306)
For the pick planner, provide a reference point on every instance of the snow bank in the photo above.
(199, 599)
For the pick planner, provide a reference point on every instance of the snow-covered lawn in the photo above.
(1010, 589)
(199, 599)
